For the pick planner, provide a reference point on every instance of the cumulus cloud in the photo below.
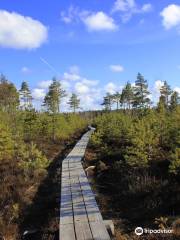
(17, 31)
(99, 21)
(128, 8)
(94, 21)
(171, 16)
(44, 84)
(89, 82)
(81, 88)
(38, 94)
(116, 68)
(177, 89)
(68, 76)
(112, 88)
(157, 85)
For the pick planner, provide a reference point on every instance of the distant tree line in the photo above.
(138, 96)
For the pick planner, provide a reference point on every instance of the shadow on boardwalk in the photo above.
(41, 218)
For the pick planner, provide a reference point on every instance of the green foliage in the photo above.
(74, 102)
(32, 158)
(127, 96)
(6, 143)
(54, 96)
(9, 97)
(139, 141)
(107, 102)
(175, 162)
(25, 96)
(165, 92)
(141, 92)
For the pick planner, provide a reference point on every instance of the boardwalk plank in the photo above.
(67, 232)
(80, 218)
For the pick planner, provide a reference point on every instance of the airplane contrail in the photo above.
(49, 65)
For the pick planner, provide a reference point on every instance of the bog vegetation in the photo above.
(141, 147)
(138, 140)
(26, 139)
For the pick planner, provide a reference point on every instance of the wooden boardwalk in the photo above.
(80, 218)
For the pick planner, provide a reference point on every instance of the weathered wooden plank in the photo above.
(80, 218)
(99, 231)
(83, 231)
(67, 232)
(89, 200)
(79, 210)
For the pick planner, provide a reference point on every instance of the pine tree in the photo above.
(175, 100)
(116, 99)
(74, 102)
(127, 96)
(166, 91)
(141, 99)
(161, 106)
(107, 103)
(54, 96)
(25, 96)
(9, 96)
(52, 102)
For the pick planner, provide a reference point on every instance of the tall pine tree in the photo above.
(108, 101)
(127, 96)
(54, 96)
(74, 102)
(166, 91)
(141, 93)
(25, 96)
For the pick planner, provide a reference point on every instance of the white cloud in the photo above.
(38, 93)
(112, 88)
(157, 85)
(70, 16)
(147, 7)
(116, 68)
(17, 31)
(177, 89)
(171, 16)
(124, 5)
(44, 84)
(71, 76)
(94, 21)
(81, 88)
(129, 7)
(99, 21)
(25, 70)
(89, 82)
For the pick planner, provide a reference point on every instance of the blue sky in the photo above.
(92, 46)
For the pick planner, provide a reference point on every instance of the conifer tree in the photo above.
(127, 96)
(175, 100)
(9, 96)
(107, 103)
(166, 91)
(141, 99)
(54, 96)
(161, 106)
(52, 102)
(116, 99)
(74, 102)
(25, 96)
